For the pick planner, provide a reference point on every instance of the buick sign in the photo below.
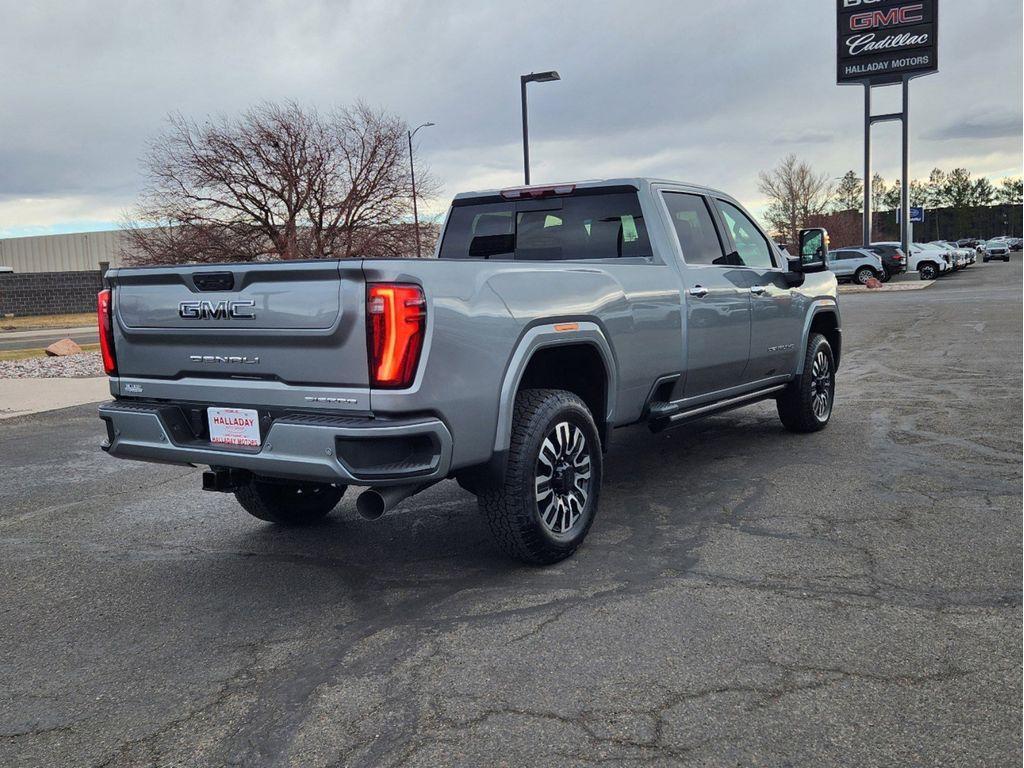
(881, 41)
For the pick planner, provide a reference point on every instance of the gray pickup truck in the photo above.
(549, 317)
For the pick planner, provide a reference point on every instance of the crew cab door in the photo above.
(776, 312)
(716, 298)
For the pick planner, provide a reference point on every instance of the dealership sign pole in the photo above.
(880, 43)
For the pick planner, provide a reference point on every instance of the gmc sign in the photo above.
(881, 41)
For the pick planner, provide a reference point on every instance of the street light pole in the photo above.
(412, 175)
(533, 77)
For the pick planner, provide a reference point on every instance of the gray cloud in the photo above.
(709, 92)
(978, 127)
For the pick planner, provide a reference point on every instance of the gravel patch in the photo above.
(87, 364)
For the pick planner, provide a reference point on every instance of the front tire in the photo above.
(544, 507)
(806, 404)
(864, 274)
(928, 271)
(289, 503)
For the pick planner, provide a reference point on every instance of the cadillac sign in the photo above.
(882, 41)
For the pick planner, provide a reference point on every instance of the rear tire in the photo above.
(806, 404)
(544, 507)
(289, 503)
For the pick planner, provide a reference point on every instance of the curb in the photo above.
(886, 288)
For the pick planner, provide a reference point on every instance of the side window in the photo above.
(695, 227)
(480, 232)
(751, 246)
(589, 226)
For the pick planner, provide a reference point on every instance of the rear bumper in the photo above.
(312, 447)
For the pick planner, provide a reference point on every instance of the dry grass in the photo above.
(47, 321)
(24, 354)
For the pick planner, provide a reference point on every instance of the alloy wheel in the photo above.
(562, 477)
(821, 386)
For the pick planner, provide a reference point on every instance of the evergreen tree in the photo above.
(849, 194)
(893, 196)
(983, 192)
(1011, 191)
(958, 189)
(935, 190)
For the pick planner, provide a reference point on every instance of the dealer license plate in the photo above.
(234, 426)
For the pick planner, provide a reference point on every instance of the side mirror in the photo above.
(813, 247)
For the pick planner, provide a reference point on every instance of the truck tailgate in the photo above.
(293, 323)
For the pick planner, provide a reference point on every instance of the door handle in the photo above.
(699, 292)
(757, 290)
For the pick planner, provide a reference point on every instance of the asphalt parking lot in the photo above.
(746, 596)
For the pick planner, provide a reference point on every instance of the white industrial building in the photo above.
(76, 252)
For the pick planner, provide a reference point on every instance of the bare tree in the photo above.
(278, 182)
(795, 192)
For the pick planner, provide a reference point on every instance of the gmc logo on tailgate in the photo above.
(220, 310)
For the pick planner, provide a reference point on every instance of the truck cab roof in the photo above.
(636, 182)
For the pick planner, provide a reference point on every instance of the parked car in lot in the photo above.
(856, 264)
(551, 316)
(950, 257)
(929, 263)
(969, 242)
(962, 257)
(996, 249)
(894, 261)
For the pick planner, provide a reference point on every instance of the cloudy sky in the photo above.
(686, 89)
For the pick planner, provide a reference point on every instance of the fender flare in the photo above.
(818, 307)
(541, 337)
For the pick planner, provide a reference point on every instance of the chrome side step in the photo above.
(663, 418)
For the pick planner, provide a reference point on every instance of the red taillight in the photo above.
(396, 318)
(104, 317)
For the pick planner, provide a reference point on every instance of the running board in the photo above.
(665, 416)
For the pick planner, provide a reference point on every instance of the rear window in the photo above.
(584, 226)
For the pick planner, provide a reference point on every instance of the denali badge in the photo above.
(225, 359)
(221, 310)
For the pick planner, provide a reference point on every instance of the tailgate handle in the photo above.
(213, 281)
